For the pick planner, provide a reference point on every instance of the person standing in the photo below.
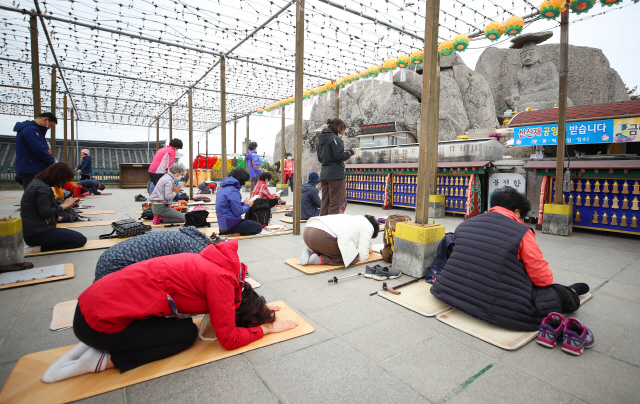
(32, 151)
(254, 164)
(288, 170)
(163, 160)
(84, 168)
(332, 155)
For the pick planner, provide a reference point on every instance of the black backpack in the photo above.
(197, 218)
(147, 214)
(69, 215)
(260, 212)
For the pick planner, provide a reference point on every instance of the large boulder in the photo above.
(591, 80)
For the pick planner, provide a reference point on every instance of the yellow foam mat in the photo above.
(417, 297)
(209, 230)
(91, 245)
(290, 220)
(62, 316)
(24, 386)
(68, 268)
(7, 197)
(281, 210)
(92, 196)
(317, 269)
(491, 333)
(97, 212)
(90, 223)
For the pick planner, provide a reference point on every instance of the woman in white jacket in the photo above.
(338, 239)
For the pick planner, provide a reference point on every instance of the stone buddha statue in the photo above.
(534, 84)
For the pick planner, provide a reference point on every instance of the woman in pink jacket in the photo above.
(163, 160)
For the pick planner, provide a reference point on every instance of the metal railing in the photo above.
(106, 175)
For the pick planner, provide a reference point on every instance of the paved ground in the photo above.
(367, 349)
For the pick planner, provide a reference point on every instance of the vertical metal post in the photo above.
(191, 178)
(53, 110)
(428, 136)
(282, 151)
(73, 152)
(65, 145)
(170, 124)
(158, 134)
(223, 116)
(246, 144)
(235, 138)
(337, 102)
(297, 125)
(206, 148)
(198, 149)
(35, 66)
(562, 105)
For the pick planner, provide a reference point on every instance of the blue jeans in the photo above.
(56, 239)
(244, 228)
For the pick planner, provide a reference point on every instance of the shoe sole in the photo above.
(368, 275)
(572, 351)
(546, 343)
(384, 278)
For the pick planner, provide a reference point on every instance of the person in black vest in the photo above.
(496, 272)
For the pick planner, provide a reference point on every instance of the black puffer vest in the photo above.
(485, 279)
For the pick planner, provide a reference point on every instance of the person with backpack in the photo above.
(84, 168)
(332, 155)
(163, 195)
(254, 164)
(338, 239)
(230, 207)
(496, 272)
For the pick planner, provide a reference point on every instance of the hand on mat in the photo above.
(279, 326)
(273, 307)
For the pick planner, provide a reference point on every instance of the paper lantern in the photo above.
(610, 3)
(322, 90)
(417, 57)
(550, 9)
(260, 111)
(445, 48)
(461, 42)
(582, 6)
(513, 26)
(403, 61)
(330, 85)
(306, 94)
(390, 64)
(493, 31)
(340, 83)
(364, 73)
(373, 71)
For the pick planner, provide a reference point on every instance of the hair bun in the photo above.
(329, 121)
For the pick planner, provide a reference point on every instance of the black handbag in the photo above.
(197, 218)
(126, 228)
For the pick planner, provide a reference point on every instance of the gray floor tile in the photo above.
(112, 397)
(352, 315)
(5, 370)
(627, 350)
(621, 290)
(616, 310)
(629, 275)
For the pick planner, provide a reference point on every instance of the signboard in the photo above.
(513, 180)
(379, 128)
(577, 133)
(626, 130)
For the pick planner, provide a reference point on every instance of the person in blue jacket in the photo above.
(254, 164)
(32, 151)
(84, 168)
(310, 200)
(230, 207)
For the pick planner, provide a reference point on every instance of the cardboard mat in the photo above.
(24, 386)
(493, 334)
(281, 210)
(8, 197)
(290, 220)
(209, 230)
(62, 317)
(97, 212)
(69, 270)
(91, 245)
(92, 196)
(417, 297)
(317, 269)
(90, 223)
(210, 219)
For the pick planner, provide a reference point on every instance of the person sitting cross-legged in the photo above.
(261, 190)
(163, 194)
(230, 207)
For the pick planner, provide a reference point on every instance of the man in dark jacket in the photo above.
(332, 155)
(32, 152)
(92, 186)
(310, 201)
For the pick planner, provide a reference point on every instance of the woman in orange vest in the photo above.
(288, 170)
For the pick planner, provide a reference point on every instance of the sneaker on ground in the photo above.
(157, 219)
(140, 198)
(370, 270)
(576, 337)
(385, 273)
(32, 250)
(550, 330)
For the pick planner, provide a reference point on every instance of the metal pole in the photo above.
(223, 116)
(235, 138)
(337, 102)
(191, 178)
(35, 66)
(157, 134)
(170, 124)
(198, 149)
(299, 83)
(246, 145)
(73, 153)
(428, 126)
(53, 111)
(282, 150)
(562, 105)
(65, 145)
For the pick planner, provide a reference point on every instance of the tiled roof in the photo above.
(584, 112)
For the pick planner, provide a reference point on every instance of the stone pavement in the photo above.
(367, 349)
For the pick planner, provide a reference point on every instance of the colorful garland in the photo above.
(403, 61)
(417, 57)
(551, 9)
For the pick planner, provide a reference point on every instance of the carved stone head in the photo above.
(529, 55)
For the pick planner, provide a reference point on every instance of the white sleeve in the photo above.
(364, 244)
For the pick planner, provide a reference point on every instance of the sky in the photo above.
(615, 32)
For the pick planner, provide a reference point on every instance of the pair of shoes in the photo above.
(157, 219)
(140, 198)
(575, 336)
(385, 273)
(369, 271)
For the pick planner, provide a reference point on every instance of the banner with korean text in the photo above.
(588, 132)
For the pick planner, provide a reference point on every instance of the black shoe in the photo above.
(140, 198)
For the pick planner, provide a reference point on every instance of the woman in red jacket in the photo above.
(132, 317)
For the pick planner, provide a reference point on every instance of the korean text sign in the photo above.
(577, 133)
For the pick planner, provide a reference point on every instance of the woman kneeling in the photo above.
(132, 317)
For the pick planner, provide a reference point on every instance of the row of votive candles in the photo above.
(404, 199)
(367, 177)
(405, 179)
(405, 189)
(461, 191)
(366, 186)
(612, 220)
(456, 204)
(605, 186)
(613, 203)
(456, 180)
(364, 195)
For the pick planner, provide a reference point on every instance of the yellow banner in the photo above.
(626, 130)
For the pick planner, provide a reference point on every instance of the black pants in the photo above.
(244, 228)
(85, 177)
(569, 299)
(155, 178)
(142, 342)
(56, 239)
(290, 182)
(25, 179)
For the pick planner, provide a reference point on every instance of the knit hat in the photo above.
(314, 178)
(85, 151)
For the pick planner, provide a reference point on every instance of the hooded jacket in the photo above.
(150, 245)
(332, 155)
(163, 160)
(209, 282)
(353, 235)
(254, 163)
(38, 209)
(229, 206)
(32, 151)
(85, 165)
(310, 202)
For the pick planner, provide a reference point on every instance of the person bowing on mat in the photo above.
(134, 316)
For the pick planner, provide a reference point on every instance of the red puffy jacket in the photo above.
(198, 283)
